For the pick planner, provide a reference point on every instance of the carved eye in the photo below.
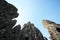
(58, 29)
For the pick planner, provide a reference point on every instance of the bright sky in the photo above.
(37, 10)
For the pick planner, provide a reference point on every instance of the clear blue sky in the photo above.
(37, 10)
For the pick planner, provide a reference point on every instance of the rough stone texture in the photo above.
(53, 28)
(8, 32)
(30, 32)
(7, 13)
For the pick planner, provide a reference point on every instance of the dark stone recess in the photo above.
(10, 32)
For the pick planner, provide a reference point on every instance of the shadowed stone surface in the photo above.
(7, 13)
(53, 28)
(10, 32)
(30, 32)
